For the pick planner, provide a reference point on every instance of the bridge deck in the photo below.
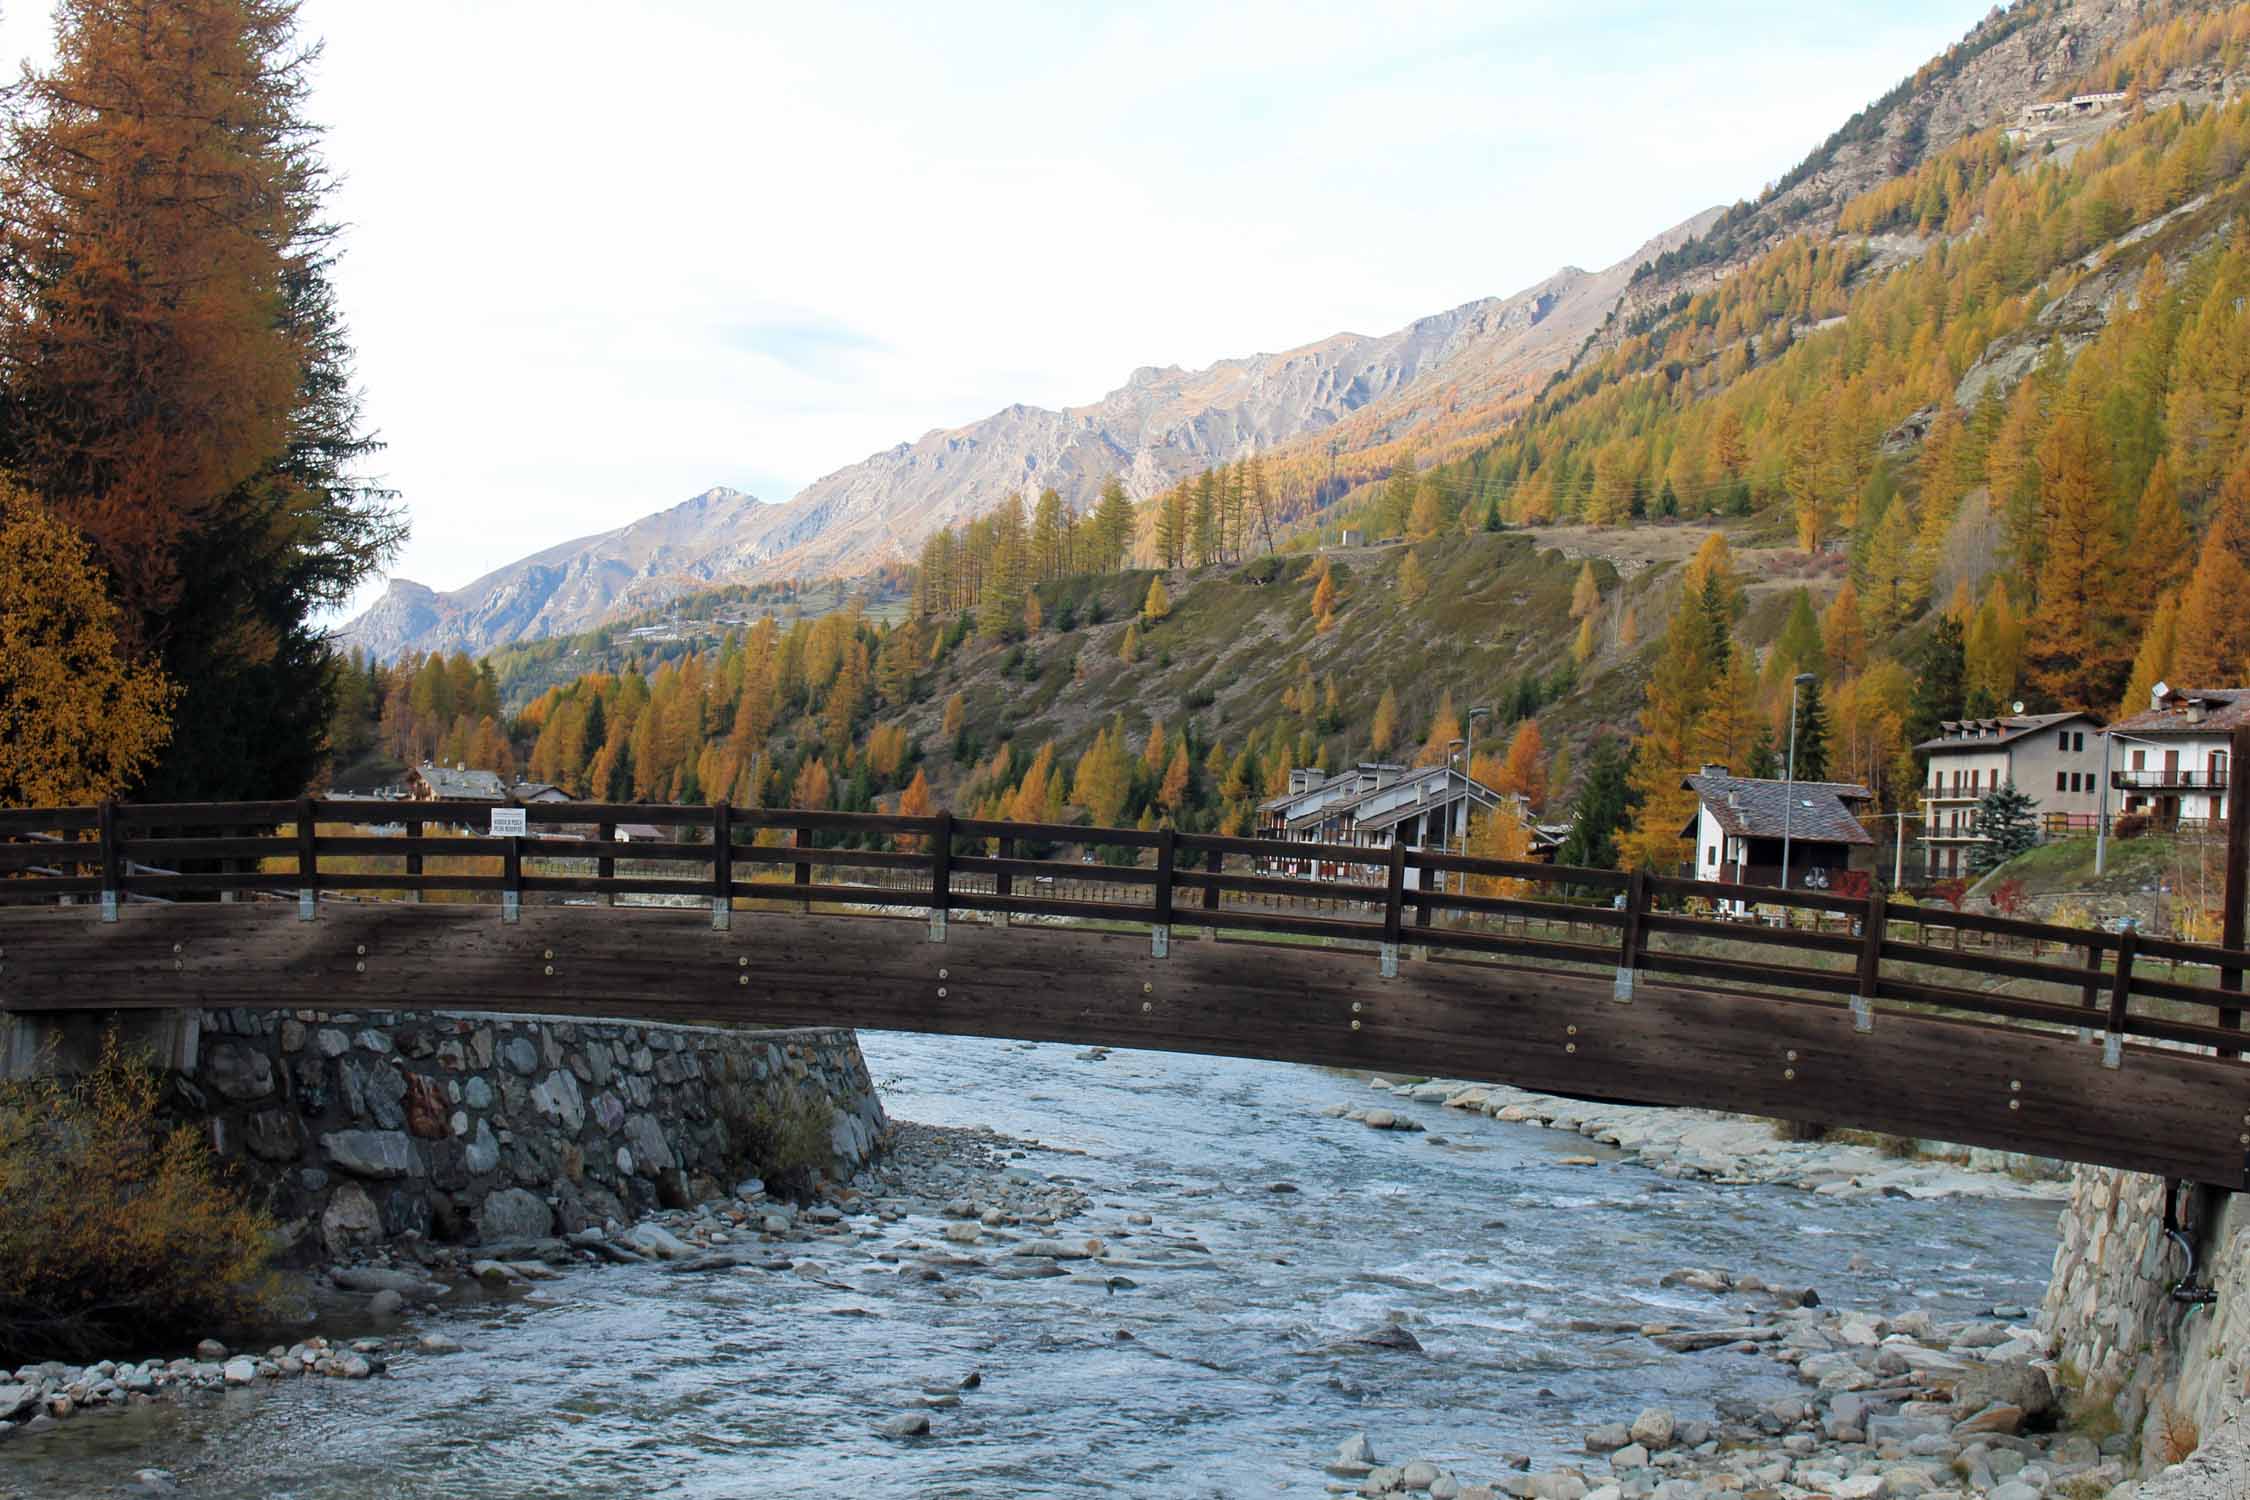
(1860, 1028)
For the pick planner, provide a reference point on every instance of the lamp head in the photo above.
(1805, 679)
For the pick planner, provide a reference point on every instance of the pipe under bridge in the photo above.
(2108, 1048)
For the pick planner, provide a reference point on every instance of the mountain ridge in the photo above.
(1162, 424)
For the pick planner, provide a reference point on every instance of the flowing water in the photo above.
(642, 1382)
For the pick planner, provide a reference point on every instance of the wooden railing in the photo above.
(1812, 945)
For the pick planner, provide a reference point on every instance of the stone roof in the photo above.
(2222, 710)
(1983, 734)
(1748, 807)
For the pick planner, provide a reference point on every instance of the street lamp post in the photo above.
(1797, 684)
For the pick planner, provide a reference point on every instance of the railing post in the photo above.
(2120, 991)
(414, 862)
(1003, 884)
(722, 867)
(941, 875)
(1632, 941)
(1394, 907)
(605, 867)
(1877, 927)
(801, 871)
(2237, 870)
(113, 867)
(511, 880)
(1214, 862)
(1160, 929)
(308, 862)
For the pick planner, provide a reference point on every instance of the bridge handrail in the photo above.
(1382, 897)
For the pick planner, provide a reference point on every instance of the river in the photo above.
(642, 1382)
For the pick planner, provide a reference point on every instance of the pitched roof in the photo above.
(2223, 710)
(448, 784)
(1749, 807)
(1983, 734)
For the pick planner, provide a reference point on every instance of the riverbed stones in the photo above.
(1608, 1438)
(907, 1424)
(1653, 1429)
(238, 1072)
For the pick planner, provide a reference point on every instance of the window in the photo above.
(2078, 741)
(1711, 857)
(2063, 743)
(2059, 782)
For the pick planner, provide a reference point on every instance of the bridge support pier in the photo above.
(40, 1044)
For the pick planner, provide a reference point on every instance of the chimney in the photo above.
(2157, 695)
(1712, 769)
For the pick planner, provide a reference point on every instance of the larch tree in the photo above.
(1156, 604)
(2079, 655)
(2153, 660)
(1112, 526)
(80, 718)
(1525, 769)
(1413, 583)
(175, 376)
(1382, 735)
(1445, 728)
(1586, 594)
(1324, 602)
(2213, 641)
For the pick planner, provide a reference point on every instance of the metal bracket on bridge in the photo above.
(1390, 960)
(1621, 988)
(2113, 1049)
(109, 906)
(937, 924)
(1160, 942)
(308, 905)
(511, 906)
(1863, 1013)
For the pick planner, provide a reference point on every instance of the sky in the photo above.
(603, 257)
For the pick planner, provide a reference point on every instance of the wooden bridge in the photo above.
(2107, 1048)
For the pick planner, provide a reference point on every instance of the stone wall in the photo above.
(2170, 1372)
(360, 1126)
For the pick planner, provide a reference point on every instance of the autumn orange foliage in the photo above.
(114, 1227)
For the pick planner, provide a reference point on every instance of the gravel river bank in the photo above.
(1167, 1275)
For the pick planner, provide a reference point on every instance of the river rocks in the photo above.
(1608, 1438)
(652, 1239)
(385, 1304)
(513, 1214)
(240, 1371)
(1382, 1336)
(437, 1343)
(907, 1424)
(1653, 1428)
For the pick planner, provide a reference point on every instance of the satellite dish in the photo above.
(2016, 707)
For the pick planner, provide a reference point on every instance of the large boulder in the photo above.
(350, 1220)
(2014, 1383)
(514, 1214)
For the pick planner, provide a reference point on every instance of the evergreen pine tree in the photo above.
(1939, 682)
(1812, 734)
(2004, 821)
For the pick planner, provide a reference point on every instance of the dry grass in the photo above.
(2171, 1434)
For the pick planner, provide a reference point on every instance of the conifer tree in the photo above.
(1812, 734)
(2004, 820)
(1600, 810)
(1383, 733)
(1427, 517)
(1399, 492)
(1586, 594)
(1156, 604)
(1324, 602)
(1941, 669)
(1586, 643)
(1445, 728)
(2213, 643)
(1843, 633)
(1413, 583)
(2153, 661)
(2078, 656)
(1112, 526)
(1525, 769)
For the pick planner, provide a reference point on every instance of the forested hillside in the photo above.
(1981, 442)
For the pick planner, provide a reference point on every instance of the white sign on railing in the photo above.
(507, 822)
